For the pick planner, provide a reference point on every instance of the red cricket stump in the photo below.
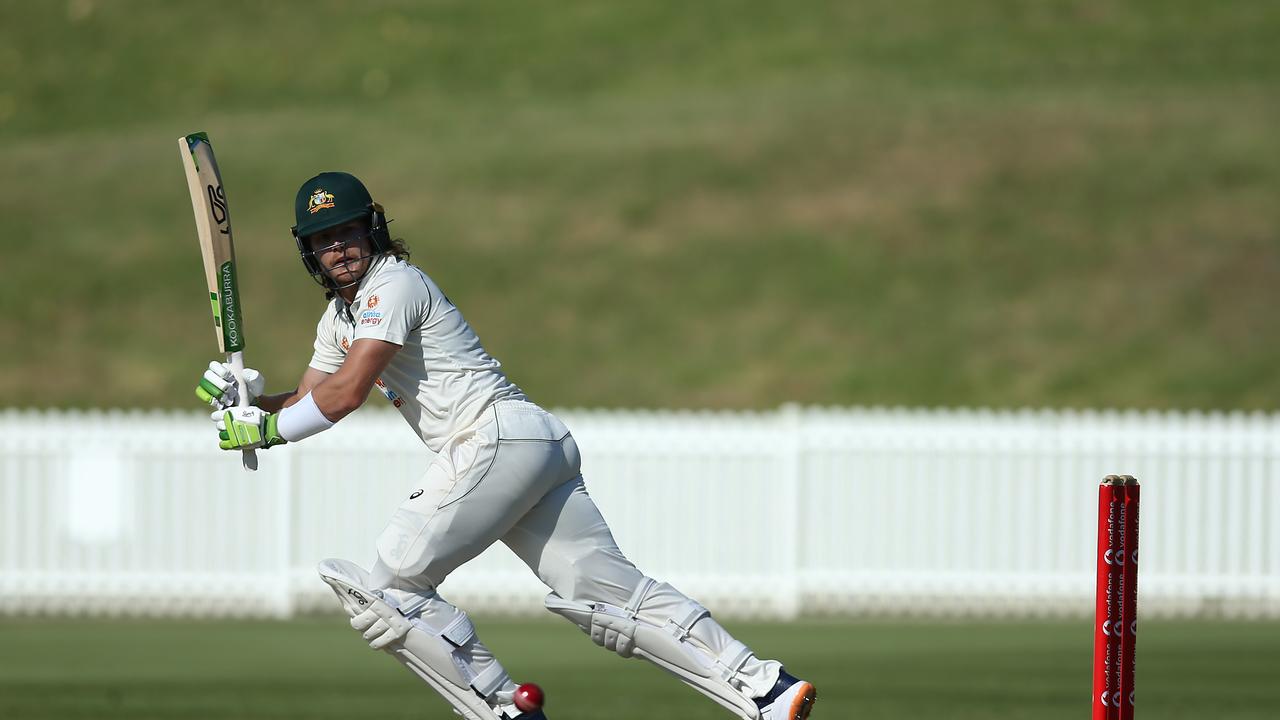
(1116, 624)
(1129, 606)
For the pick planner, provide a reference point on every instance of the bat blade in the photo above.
(213, 224)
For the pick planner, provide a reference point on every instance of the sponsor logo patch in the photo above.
(319, 200)
(370, 317)
(391, 394)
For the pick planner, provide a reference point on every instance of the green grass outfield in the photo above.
(673, 204)
(317, 668)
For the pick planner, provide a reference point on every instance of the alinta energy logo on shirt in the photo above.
(370, 316)
(388, 392)
(319, 200)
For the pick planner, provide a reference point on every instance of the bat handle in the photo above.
(248, 458)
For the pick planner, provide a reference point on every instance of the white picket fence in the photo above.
(796, 511)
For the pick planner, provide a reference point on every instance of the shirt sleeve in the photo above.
(393, 308)
(328, 356)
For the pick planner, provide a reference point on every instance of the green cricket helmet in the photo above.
(328, 200)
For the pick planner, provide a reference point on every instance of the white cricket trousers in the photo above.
(515, 476)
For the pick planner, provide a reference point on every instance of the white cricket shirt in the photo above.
(441, 380)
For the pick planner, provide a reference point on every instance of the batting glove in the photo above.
(246, 428)
(218, 386)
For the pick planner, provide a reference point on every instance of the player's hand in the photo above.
(218, 386)
(246, 428)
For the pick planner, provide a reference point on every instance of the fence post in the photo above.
(284, 535)
(790, 593)
(1271, 476)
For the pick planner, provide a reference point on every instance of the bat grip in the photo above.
(248, 458)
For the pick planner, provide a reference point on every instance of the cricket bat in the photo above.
(213, 222)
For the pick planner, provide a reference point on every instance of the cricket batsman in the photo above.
(504, 469)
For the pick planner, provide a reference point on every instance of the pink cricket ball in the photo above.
(529, 698)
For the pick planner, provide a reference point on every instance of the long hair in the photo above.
(399, 250)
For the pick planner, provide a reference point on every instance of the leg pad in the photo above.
(624, 631)
(435, 656)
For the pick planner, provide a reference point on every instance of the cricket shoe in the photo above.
(790, 699)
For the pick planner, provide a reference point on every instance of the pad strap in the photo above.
(637, 598)
(731, 661)
(459, 631)
(682, 623)
(489, 681)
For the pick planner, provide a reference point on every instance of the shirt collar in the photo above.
(379, 264)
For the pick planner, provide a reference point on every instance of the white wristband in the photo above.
(301, 420)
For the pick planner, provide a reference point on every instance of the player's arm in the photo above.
(280, 401)
(332, 398)
(339, 394)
